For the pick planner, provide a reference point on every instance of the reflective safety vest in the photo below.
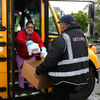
(17, 25)
(73, 70)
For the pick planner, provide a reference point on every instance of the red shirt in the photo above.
(22, 38)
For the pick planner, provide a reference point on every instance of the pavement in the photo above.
(96, 93)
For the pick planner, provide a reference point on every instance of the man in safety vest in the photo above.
(17, 26)
(67, 60)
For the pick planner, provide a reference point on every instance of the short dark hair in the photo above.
(29, 22)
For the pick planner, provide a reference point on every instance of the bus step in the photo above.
(25, 95)
(28, 92)
(16, 82)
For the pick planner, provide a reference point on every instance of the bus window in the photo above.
(35, 16)
(52, 25)
(30, 11)
(0, 12)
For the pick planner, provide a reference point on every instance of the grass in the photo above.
(92, 39)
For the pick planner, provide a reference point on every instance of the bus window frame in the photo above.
(50, 12)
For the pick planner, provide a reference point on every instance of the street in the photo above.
(96, 93)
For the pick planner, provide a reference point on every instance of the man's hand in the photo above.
(43, 52)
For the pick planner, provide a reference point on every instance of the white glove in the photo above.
(43, 52)
(33, 48)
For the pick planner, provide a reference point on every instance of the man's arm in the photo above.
(53, 57)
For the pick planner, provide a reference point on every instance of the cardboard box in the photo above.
(28, 72)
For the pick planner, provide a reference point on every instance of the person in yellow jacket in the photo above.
(17, 26)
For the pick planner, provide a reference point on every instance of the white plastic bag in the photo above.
(33, 48)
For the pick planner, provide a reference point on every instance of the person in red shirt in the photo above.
(24, 38)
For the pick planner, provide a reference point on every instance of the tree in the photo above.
(52, 26)
(36, 21)
(82, 19)
(57, 14)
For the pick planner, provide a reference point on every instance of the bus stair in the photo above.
(17, 91)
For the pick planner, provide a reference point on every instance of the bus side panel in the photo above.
(3, 65)
(3, 83)
(4, 68)
(3, 53)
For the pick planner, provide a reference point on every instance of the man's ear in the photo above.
(68, 25)
(65, 26)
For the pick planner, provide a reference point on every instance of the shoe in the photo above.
(21, 92)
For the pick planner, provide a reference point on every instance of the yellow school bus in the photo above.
(44, 18)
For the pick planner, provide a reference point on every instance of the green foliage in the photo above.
(36, 21)
(57, 14)
(92, 39)
(52, 27)
(82, 19)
